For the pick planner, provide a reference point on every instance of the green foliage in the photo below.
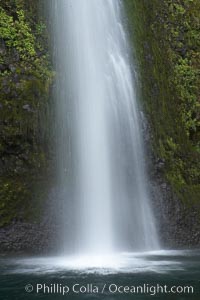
(17, 33)
(167, 39)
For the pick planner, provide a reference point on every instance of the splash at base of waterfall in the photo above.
(109, 277)
(160, 261)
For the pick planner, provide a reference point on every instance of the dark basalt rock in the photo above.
(178, 224)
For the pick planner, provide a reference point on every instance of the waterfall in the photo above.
(100, 170)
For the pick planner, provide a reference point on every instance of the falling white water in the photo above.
(100, 168)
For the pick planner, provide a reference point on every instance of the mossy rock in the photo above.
(25, 79)
(165, 36)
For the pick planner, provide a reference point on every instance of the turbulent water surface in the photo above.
(88, 276)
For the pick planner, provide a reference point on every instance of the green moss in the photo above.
(25, 79)
(166, 37)
(13, 194)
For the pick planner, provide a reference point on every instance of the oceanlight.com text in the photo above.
(111, 288)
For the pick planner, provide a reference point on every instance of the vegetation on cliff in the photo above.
(167, 39)
(25, 79)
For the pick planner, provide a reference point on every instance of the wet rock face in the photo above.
(25, 238)
(178, 224)
(34, 237)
